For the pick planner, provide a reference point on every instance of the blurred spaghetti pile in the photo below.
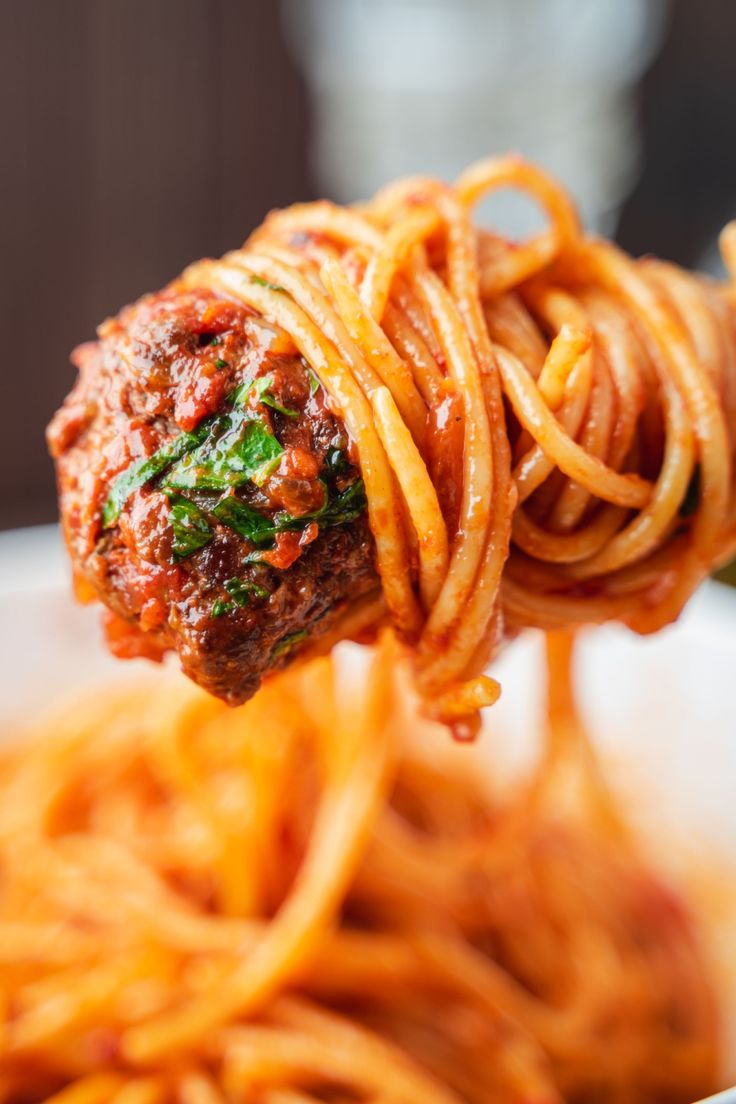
(294, 901)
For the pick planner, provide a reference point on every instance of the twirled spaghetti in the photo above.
(620, 384)
(291, 902)
(545, 430)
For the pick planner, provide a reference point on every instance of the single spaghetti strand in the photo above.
(399, 241)
(377, 349)
(467, 549)
(344, 818)
(419, 495)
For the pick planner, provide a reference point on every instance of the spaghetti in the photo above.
(545, 430)
(293, 901)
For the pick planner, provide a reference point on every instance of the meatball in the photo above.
(210, 497)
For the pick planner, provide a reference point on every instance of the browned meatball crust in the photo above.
(209, 495)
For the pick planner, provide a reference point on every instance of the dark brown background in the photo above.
(140, 134)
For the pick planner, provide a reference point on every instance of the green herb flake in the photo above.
(347, 506)
(221, 607)
(260, 389)
(190, 527)
(239, 396)
(289, 642)
(220, 363)
(238, 449)
(244, 520)
(313, 382)
(261, 530)
(265, 283)
(142, 471)
(337, 461)
(344, 507)
(263, 449)
(242, 590)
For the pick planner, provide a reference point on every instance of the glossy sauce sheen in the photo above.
(232, 609)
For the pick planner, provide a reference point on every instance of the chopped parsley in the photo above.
(140, 472)
(224, 453)
(345, 506)
(255, 527)
(265, 283)
(242, 590)
(288, 643)
(220, 607)
(220, 363)
(258, 557)
(226, 450)
(260, 389)
(189, 525)
(313, 382)
(237, 449)
(337, 461)
(244, 520)
(259, 529)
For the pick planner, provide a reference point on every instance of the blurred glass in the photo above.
(406, 86)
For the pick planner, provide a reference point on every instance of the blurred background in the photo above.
(140, 134)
